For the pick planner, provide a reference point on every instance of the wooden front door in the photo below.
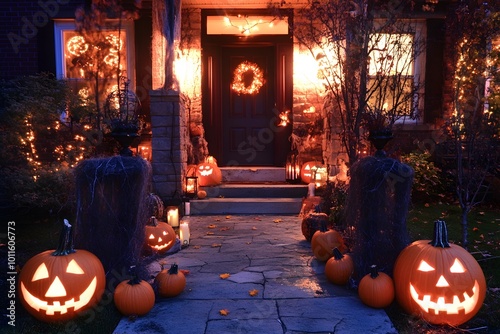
(248, 99)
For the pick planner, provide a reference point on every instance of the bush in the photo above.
(427, 181)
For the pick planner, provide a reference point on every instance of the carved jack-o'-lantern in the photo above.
(306, 172)
(56, 285)
(209, 174)
(160, 236)
(438, 281)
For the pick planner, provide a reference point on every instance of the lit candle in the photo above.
(184, 233)
(311, 187)
(173, 217)
(187, 208)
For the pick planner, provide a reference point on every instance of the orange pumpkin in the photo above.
(376, 289)
(440, 282)
(322, 243)
(306, 173)
(57, 285)
(314, 221)
(160, 236)
(339, 268)
(208, 174)
(134, 297)
(170, 282)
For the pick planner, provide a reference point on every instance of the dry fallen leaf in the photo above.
(216, 245)
(184, 271)
(254, 228)
(224, 228)
(228, 217)
(212, 226)
(197, 247)
(224, 312)
(253, 292)
(277, 220)
(210, 233)
(225, 275)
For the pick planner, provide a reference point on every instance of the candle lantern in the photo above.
(191, 186)
(184, 233)
(292, 168)
(319, 175)
(173, 216)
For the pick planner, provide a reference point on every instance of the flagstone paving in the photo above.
(267, 254)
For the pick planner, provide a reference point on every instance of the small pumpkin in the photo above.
(155, 206)
(438, 281)
(160, 236)
(339, 268)
(134, 297)
(170, 282)
(323, 241)
(57, 285)
(202, 194)
(376, 289)
(314, 221)
(209, 174)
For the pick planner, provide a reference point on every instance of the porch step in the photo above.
(251, 190)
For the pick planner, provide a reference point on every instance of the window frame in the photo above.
(61, 26)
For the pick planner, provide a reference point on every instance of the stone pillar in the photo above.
(169, 144)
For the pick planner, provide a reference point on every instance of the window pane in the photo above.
(391, 54)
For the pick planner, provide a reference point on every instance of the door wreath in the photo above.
(247, 79)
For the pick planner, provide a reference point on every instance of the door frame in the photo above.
(212, 77)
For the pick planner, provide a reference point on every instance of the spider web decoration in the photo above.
(247, 78)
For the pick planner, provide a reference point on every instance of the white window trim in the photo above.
(64, 25)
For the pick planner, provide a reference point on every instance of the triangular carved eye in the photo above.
(424, 266)
(74, 268)
(457, 267)
(40, 273)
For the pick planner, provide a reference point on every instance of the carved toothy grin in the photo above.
(467, 305)
(206, 172)
(39, 304)
(161, 247)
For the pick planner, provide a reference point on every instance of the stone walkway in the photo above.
(264, 254)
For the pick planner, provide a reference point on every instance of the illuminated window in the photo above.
(246, 25)
(396, 72)
(107, 55)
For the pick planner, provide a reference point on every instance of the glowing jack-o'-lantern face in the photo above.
(56, 285)
(160, 236)
(306, 172)
(209, 174)
(441, 282)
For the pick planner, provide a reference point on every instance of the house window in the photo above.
(81, 61)
(247, 25)
(395, 69)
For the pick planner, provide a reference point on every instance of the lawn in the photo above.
(33, 237)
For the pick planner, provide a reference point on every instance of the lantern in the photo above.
(57, 285)
(438, 281)
(292, 168)
(191, 186)
(319, 175)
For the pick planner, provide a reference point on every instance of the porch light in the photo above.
(191, 186)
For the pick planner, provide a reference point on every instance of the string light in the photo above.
(248, 78)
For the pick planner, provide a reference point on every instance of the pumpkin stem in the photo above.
(373, 271)
(174, 269)
(154, 221)
(337, 254)
(440, 235)
(135, 278)
(65, 245)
